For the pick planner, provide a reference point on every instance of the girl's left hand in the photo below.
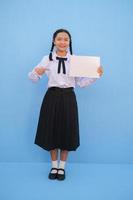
(100, 70)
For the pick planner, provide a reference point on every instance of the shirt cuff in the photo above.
(34, 76)
(85, 81)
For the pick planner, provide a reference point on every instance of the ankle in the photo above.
(62, 164)
(54, 163)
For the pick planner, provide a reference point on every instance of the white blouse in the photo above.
(59, 79)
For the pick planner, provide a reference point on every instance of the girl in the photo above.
(58, 124)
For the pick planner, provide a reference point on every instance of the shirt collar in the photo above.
(54, 55)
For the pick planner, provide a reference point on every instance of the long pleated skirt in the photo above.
(58, 124)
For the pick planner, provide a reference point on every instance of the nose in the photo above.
(62, 42)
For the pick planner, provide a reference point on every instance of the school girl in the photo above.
(58, 124)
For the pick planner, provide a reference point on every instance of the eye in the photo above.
(58, 39)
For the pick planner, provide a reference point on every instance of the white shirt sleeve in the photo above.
(84, 81)
(44, 62)
(33, 75)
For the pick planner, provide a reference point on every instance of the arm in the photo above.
(84, 81)
(39, 70)
(35, 74)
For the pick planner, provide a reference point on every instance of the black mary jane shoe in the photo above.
(52, 176)
(61, 177)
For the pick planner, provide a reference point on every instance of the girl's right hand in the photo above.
(40, 70)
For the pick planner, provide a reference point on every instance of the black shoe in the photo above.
(61, 177)
(52, 175)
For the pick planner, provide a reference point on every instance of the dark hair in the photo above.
(54, 36)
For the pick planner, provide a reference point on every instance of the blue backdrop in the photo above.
(99, 28)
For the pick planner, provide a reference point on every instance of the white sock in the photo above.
(62, 166)
(54, 165)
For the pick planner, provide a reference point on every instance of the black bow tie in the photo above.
(61, 61)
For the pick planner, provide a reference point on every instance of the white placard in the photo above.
(84, 66)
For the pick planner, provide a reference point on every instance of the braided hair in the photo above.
(54, 36)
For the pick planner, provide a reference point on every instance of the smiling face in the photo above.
(62, 41)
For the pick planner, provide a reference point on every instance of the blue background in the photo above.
(99, 28)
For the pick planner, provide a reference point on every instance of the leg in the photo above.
(61, 170)
(54, 154)
(54, 159)
(63, 155)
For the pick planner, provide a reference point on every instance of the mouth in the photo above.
(62, 46)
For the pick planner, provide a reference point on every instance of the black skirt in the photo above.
(58, 124)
